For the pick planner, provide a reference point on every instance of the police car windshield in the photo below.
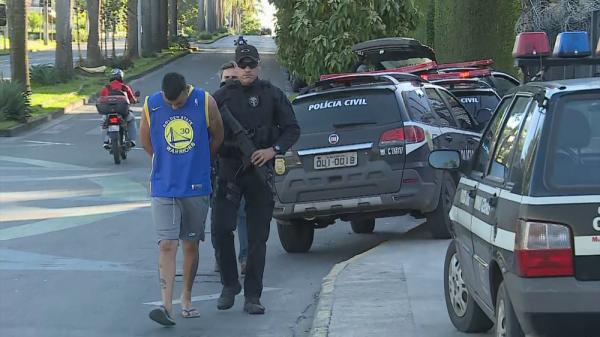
(473, 101)
(345, 109)
(575, 144)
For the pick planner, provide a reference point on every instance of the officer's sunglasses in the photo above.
(244, 64)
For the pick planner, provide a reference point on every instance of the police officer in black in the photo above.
(267, 115)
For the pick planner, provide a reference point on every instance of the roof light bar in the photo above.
(402, 70)
(531, 44)
(572, 44)
(459, 74)
(468, 64)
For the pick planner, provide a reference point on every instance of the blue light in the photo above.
(572, 44)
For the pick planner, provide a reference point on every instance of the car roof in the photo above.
(560, 86)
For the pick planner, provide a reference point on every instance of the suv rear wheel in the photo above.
(438, 221)
(507, 324)
(363, 226)
(464, 312)
(296, 236)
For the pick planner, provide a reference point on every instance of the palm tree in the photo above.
(17, 24)
(201, 16)
(94, 54)
(132, 29)
(64, 41)
(211, 16)
(164, 24)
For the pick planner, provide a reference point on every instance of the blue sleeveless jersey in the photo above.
(180, 140)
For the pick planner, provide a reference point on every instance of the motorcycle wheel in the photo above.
(124, 148)
(115, 146)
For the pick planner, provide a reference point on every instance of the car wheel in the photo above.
(296, 236)
(507, 324)
(438, 221)
(464, 312)
(363, 226)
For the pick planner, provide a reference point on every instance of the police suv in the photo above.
(363, 155)
(526, 215)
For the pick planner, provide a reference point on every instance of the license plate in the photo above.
(335, 160)
(113, 128)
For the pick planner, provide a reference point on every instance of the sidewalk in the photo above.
(393, 290)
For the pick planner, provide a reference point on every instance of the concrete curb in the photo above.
(18, 129)
(322, 317)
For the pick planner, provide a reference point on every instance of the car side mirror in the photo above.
(445, 160)
(483, 115)
(137, 94)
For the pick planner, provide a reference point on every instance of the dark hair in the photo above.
(173, 84)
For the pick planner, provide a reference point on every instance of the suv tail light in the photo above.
(543, 249)
(407, 134)
(113, 120)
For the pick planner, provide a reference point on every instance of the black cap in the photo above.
(246, 51)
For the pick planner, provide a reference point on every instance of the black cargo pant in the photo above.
(259, 211)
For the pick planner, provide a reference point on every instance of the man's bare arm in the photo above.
(216, 126)
(145, 135)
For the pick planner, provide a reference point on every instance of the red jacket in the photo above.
(118, 85)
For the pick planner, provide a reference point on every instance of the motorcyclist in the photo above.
(117, 86)
(240, 41)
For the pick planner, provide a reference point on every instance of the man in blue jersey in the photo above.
(181, 129)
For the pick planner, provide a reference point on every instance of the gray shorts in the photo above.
(180, 218)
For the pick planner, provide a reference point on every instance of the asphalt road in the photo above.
(77, 250)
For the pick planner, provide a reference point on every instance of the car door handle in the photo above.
(472, 193)
(493, 201)
(449, 138)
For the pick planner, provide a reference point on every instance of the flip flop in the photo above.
(190, 313)
(161, 316)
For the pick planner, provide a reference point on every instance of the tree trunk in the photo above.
(164, 24)
(94, 54)
(132, 29)
(155, 30)
(173, 15)
(219, 11)
(147, 23)
(17, 30)
(211, 16)
(114, 50)
(201, 15)
(64, 41)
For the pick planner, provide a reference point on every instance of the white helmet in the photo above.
(117, 74)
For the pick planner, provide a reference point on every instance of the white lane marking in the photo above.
(6, 197)
(42, 163)
(36, 213)
(4, 179)
(207, 297)
(45, 143)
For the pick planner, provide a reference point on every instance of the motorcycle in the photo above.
(116, 110)
(240, 41)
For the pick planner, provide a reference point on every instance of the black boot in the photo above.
(227, 298)
(253, 306)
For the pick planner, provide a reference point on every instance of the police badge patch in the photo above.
(253, 101)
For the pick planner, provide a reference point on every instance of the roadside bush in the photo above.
(14, 101)
(181, 42)
(121, 62)
(43, 74)
(205, 36)
(223, 30)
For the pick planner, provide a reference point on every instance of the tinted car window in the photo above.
(485, 146)
(418, 107)
(475, 100)
(575, 144)
(508, 136)
(525, 148)
(323, 113)
(503, 84)
(460, 114)
(440, 108)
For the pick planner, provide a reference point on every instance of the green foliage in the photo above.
(180, 42)
(465, 30)
(223, 30)
(121, 62)
(35, 21)
(187, 11)
(14, 101)
(205, 36)
(250, 25)
(315, 37)
(43, 74)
